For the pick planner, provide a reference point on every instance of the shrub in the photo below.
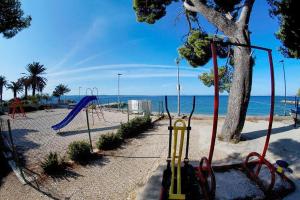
(79, 151)
(33, 99)
(52, 164)
(134, 127)
(109, 141)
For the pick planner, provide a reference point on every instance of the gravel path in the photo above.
(35, 138)
(120, 174)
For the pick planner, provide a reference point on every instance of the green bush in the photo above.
(109, 141)
(134, 127)
(79, 151)
(52, 164)
(33, 99)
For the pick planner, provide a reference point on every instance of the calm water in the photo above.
(259, 105)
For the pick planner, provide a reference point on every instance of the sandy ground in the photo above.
(122, 173)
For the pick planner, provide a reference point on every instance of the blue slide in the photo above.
(81, 104)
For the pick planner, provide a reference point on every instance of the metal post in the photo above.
(89, 130)
(177, 60)
(127, 112)
(12, 142)
(216, 102)
(79, 90)
(282, 61)
(15, 153)
(119, 91)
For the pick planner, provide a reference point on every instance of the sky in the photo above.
(87, 43)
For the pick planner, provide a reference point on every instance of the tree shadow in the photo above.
(65, 174)
(41, 182)
(123, 156)
(262, 133)
(5, 169)
(70, 133)
(288, 150)
(21, 141)
(96, 159)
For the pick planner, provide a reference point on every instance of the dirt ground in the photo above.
(120, 174)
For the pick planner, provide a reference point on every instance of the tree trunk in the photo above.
(239, 92)
(33, 90)
(1, 92)
(26, 92)
(15, 94)
(242, 78)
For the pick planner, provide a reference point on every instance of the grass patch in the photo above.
(79, 151)
(109, 141)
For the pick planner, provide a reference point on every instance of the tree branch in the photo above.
(225, 25)
(245, 14)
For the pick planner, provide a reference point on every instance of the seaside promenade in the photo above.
(122, 173)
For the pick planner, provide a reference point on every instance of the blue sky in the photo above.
(86, 43)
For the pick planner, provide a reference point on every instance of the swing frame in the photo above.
(205, 169)
(261, 160)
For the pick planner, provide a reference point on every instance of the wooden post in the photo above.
(88, 126)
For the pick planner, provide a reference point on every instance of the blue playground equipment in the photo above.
(79, 106)
(296, 112)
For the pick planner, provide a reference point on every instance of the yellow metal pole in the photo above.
(182, 129)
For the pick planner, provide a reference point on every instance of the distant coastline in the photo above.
(258, 106)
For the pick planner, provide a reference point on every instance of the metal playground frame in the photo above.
(188, 182)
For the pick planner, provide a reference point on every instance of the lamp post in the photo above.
(177, 61)
(282, 61)
(119, 91)
(79, 90)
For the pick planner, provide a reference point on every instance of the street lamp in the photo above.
(282, 61)
(79, 90)
(177, 61)
(119, 91)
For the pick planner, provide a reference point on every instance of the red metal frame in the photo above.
(246, 165)
(216, 102)
(216, 99)
(206, 170)
(17, 104)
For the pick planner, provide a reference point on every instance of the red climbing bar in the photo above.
(272, 104)
(216, 102)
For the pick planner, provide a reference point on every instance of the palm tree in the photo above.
(36, 70)
(40, 87)
(16, 87)
(3, 83)
(26, 83)
(60, 90)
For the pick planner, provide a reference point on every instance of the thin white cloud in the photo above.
(92, 57)
(95, 29)
(126, 67)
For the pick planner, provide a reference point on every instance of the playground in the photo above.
(34, 136)
(124, 172)
(198, 166)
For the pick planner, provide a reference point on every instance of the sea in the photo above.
(258, 106)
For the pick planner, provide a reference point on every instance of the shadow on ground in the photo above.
(288, 150)
(4, 167)
(231, 182)
(262, 133)
(69, 133)
(46, 185)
